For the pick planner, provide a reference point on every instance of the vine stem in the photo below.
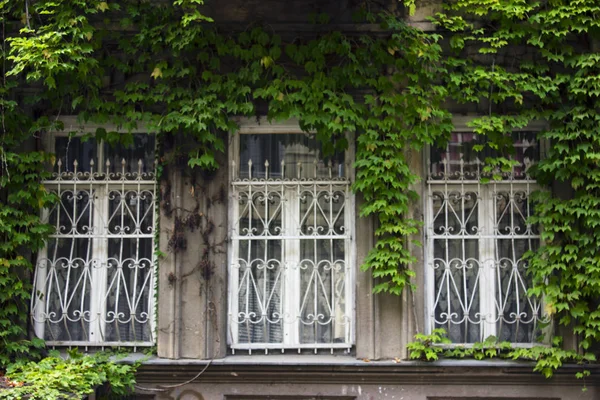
(27, 14)
(165, 388)
(2, 108)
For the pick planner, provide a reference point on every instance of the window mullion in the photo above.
(235, 268)
(348, 271)
(350, 248)
(487, 280)
(234, 248)
(99, 197)
(40, 298)
(429, 265)
(99, 264)
(291, 265)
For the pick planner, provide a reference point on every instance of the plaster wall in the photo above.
(192, 288)
(360, 391)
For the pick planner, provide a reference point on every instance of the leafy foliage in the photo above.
(521, 61)
(333, 84)
(21, 232)
(404, 114)
(547, 358)
(55, 378)
(130, 62)
(424, 346)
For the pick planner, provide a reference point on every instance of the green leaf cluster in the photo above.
(427, 347)
(547, 359)
(21, 233)
(518, 62)
(186, 78)
(512, 63)
(55, 378)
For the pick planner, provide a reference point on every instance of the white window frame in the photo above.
(291, 244)
(96, 325)
(486, 237)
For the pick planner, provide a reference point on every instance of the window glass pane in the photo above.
(446, 161)
(142, 150)
(527, 151)
(322, 210)
(74, 213)
(260, 290)
(455, 212)
(94, 281)
(130, 210)
(301, 155)
(66, 299)
(71, 149)
(260, 212)
(322, 285)
(129, 287)
(513, 208)
(518, 312)
(457, 273)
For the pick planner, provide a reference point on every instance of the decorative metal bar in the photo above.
(62, 175)
(478, 235)
(267, 347)
(94, 281)
(290, 237)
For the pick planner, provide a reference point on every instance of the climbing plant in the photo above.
(57, 378)
(547, 358)
(522, 61)
(194, 79)
(167, 66)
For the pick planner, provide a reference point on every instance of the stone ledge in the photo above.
(346, 369)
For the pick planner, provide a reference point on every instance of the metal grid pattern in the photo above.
(290, 273)
(94, 281)
(477, 236)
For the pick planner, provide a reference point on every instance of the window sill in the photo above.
(325, 360)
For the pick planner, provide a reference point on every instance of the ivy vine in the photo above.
(522, 61)
(58, 378)
(547, 358)
(166, 65)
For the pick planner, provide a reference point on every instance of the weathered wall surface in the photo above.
(453, 380)
(378, 391)
(192, 300)
(192, 288)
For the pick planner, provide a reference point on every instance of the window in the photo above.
(291, 253)
(94, 280)
(477, 235)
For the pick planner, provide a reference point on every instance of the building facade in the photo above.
(247, 279)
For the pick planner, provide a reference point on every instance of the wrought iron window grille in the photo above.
(477, 235)
(94, 281)
(291, 252)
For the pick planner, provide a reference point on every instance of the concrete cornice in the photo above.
(341, 370)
